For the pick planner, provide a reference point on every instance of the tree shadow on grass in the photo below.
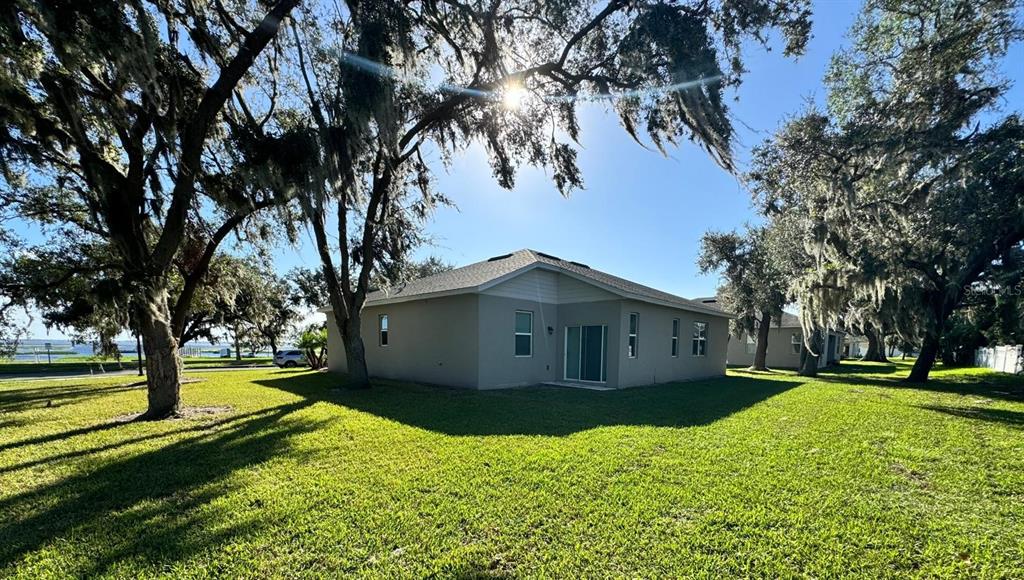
(22, 399)
(943, 380)
(1004, 416)
(149, 506)
(551, 411)
(856, 367)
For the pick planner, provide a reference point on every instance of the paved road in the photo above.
(124, 373)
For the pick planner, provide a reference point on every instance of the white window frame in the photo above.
(702, 337)
(633, 336)
(796, 343)
(383, 334)
(751, 345)
(675, 338)
(515, 330)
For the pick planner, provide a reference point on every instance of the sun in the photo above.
(513, 97)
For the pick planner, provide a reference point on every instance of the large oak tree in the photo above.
(137, 126)
(911, 181)
(754, 285)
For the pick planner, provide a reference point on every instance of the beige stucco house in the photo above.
(785, 342)
(527, 318)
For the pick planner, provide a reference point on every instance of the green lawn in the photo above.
(766, 475)
(83, 364)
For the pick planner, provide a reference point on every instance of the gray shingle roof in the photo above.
(788, 321)
(710, 302)
(470, 278)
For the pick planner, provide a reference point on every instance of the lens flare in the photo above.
(513, 98)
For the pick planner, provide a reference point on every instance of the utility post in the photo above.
(138, 350)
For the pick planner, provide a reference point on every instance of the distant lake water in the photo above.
(34, 349)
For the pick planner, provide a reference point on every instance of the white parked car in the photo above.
(289, 358)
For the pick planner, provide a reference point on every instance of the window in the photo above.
(700, 338)
(796, 343)
(675, 337)
(751, 345)
(524, 333)
(382, 330)
(634, 329)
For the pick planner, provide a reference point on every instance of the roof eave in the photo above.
(551, 267)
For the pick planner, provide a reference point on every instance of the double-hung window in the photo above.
(700, 339)
(675, 337)
(524, 333)
(751, 344)
(796, 343)
(634, 333)
(382, 330)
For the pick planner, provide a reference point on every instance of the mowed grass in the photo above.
(763, 475)
(82, 364)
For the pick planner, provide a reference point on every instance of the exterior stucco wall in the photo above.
(780, 353)
(429, 341)
(654, 362)
(469, 341)
(499, 367)
(598, 313)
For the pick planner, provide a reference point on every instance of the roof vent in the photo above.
(549, 256)
(501, 257)
(710, 301)
(580, 264)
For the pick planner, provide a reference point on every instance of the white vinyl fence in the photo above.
(1005, 359)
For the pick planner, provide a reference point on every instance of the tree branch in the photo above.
(194, 135)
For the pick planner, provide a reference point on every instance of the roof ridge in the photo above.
(483, 273)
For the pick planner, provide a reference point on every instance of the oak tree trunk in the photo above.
(163, 361)
(925, 360)
(808, 360)
(355, 353)
(761, 349)
(876, 345)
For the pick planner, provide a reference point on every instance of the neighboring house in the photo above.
(785, 340)
(526, 318)
(856, 346)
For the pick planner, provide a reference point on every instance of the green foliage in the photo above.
(402, 271)
(754, 282)
(253, 304)
(313, 341)
(11, 332)
(910, 186)
(851, 475)
(309, 289)
(76, 287)
(992, 312)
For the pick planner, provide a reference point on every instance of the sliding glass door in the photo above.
(586, 350)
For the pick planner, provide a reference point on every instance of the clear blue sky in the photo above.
(641, 215)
